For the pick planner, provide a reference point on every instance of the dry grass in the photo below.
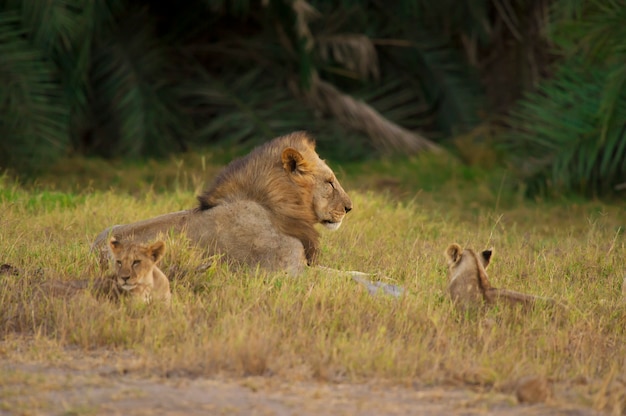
(246, 322)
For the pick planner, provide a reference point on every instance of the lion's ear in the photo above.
(453, 252)
(157, 250)
(114, 245)
(486, 256)
(293, 161)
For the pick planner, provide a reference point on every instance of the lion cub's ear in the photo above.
(486, 257)
(453, 252)
(293, 161)
(156, 250)
(115, 245)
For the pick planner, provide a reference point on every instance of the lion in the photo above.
(469, 286)
(137, 273)
(260, 210)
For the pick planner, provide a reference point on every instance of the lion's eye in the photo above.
(136, 262)
(331, 183)
(119, 263)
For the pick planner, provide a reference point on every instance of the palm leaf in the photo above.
(33, 113)
(355, 52)
(557, 136)
(360, 116)
(435, 75)
(448, 84)
(233, 110)
(61, 28)
(64, 31)
(245, 110)
(596, 29)
(133, 94)
(404, 106)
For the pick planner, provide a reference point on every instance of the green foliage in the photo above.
(133, 95)
(597, 30)
(34, 113)
(557, 139)
(416, 51)
(249, 109)
(115, 77)
(448, 85)
(569, 134)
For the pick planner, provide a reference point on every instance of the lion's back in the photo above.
(223, 228)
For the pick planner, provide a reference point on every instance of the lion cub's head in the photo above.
(467, 278)
(136, 270)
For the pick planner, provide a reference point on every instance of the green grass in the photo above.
(326, 327)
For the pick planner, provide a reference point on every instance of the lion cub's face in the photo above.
(330, 202)
(135, 265)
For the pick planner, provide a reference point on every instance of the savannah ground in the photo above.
(247, 342)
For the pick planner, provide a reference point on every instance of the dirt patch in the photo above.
(82, 386)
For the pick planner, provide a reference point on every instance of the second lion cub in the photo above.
(469, 286)
(137, 273)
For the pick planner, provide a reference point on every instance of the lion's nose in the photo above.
(125, 278)
(348, 208)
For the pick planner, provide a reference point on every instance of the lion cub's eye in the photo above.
(331, 183)
(136, 262)
(119, 263)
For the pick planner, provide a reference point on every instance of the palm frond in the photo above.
(304, 13)
(244, 110)
(413, 42)
(593, 28)
(596, 30)
(454, 102)
(236, 114)
(64, 31)
(133, 94)
(59, 24)
(557, 137)
(355, 52)
(448, 83)
(404, 106)
(33, 113)
(360, 116)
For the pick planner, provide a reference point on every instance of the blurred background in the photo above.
(536, 86)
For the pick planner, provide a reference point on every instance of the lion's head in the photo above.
(289, 179)
(135, 266)
(317, 183)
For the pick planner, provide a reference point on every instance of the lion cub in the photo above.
(468, 283)
(137, 273)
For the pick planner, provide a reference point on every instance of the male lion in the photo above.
(137, 273)
(468, 283)
(260, 210)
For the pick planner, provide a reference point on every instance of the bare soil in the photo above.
(91, 385)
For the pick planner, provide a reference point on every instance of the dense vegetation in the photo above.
(140, 78)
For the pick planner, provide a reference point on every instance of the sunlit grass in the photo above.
(247, 322)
